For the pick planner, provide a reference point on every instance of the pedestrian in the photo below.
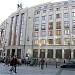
(6, 60)
(64, 61)
(13, 63)
(36, 62)
(42, 63)
(46, 64)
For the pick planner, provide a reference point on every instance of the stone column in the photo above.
(62, 53)
(45, 53)
(72, 54)
(38, 53)
(54, 53)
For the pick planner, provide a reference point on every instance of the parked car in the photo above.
(1, 60)
(70, 64)
(32, 63)
(27, 61)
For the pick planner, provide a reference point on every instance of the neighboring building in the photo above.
(43, 31)
(2, 39)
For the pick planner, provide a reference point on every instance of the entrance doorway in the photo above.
(42, 53)
(13, 52)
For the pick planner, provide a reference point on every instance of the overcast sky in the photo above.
(9, 6)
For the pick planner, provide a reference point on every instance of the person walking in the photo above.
(6, 60)
(13, 63)
(42, 63)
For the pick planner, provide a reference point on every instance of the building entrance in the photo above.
(13, 52)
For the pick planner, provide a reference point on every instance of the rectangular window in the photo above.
(37, 19)
(43, 17)
(36, 34)
(58, 32)
(36, 42)
(66, 24)
(73, 31)
(73, 14)
(50, 26)
(73, 22)
(50, 53)
(50, 41)
(66, 41)
(45, 7)
(43, 41)
(36, 27)
(67, 32)
(44, 11)
(65, 3)
(57, 9)
(50, 16)
(51, 9)
(50, 33)
(58, 53)
(43, 26)
(43, 33)
(58, 41)
(57, 15)
(66, 15)
(58, 25)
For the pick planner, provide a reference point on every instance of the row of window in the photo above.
(58, 8)
(50, 32)
(50, 53)
(50, 25)
(50, 41)
(50, 17)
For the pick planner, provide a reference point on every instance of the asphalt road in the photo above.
(28, 70)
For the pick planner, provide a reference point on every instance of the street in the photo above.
(29, 70)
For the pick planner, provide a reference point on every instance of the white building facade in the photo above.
(43, 31)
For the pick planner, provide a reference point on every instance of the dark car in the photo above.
(70, 64)
(1, 60)
(27, 61)
(32, 63)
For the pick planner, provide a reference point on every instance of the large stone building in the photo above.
(42, 31)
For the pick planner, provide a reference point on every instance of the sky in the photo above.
(9, 6)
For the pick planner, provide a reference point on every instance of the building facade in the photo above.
(42, 31)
